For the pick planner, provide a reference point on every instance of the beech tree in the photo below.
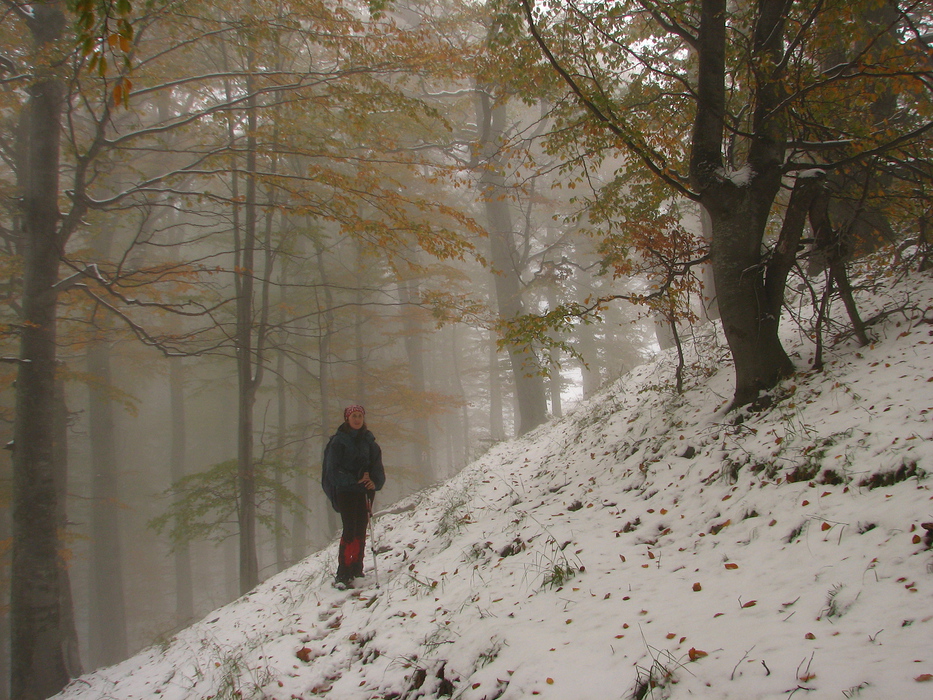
(726, 105)
(38, 666)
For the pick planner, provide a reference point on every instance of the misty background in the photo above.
(258, 213)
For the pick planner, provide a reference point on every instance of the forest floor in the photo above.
(647, 545)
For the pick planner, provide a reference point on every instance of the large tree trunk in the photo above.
(750, 328)
(107, 609)
(529, 385)
(38, 666)
(248, 363)
(4, 616)
(739, 206)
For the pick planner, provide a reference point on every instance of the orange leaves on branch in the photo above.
(121, 92)
(104, 28)
(119, 41)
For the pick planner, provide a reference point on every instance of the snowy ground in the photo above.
(648, 545)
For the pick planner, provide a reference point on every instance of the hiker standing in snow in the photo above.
(351, 475)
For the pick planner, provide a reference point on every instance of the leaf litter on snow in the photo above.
(647, 544)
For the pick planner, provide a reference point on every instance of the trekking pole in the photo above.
(372, 538)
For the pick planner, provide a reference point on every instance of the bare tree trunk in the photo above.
(38, 666)
(841, 276)
(460, 393)
(281, 428)
(739, 209)
(359, 362)
(249, 362)
(829, 245)
(751, 332)
(496, 419)
(529, 385)
(184, 587)
(326, 315)
(555, 381)
(299, 538)
(69, 626)
(589, 350)
(4, 613)
(410, 296)
(107, 608)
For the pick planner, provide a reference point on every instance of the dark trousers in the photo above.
(354, 513)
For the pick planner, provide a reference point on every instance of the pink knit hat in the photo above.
(352, 409)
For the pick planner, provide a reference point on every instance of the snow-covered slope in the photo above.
(648, 545)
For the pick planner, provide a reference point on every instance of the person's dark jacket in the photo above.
(350, 454)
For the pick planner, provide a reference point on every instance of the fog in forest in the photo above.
(223, 223)
(422, 444)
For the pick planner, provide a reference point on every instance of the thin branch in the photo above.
(593, 108)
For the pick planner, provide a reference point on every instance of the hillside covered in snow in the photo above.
(648, 545)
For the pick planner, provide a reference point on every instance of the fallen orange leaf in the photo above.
(695, 654)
